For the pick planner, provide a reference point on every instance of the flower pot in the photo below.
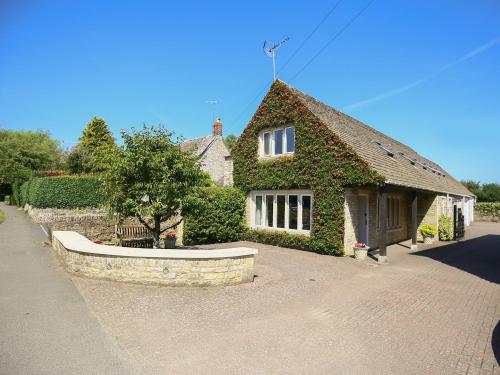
(428, 240)
(170, 242)
(360, 253)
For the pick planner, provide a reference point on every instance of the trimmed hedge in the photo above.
(282, 239)
(63, 192)
(219, 217)
(488, 209)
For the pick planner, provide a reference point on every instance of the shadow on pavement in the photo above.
(479, 256)
(495, 342)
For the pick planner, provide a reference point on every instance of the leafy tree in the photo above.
(231, 140)
(473, 186)
(23, 152)
(79, 160)
(490, 193)
(149, 177)
(96, 139)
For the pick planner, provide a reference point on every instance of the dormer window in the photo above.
(277, 142)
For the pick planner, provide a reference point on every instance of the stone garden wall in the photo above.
(154, 266)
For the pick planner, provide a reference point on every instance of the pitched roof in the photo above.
(198, 145)
(398, 163)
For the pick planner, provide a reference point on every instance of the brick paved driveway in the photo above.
(435, 311)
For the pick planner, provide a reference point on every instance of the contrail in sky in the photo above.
(410, 86)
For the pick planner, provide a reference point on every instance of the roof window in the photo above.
(387, 151)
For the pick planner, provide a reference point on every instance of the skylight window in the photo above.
(387, 151)
(411, 160)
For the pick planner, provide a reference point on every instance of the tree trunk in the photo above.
(156, 233)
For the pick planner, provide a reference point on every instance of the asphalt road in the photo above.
(45, 325)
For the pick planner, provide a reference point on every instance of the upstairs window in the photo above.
(290, 139)
(277, 142)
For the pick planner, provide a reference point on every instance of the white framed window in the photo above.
(277, 142)
(282, 210)
(393, 213)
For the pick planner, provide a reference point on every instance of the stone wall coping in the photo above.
(74, 241)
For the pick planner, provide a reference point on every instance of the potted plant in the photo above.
(360, 251)
(170, 239)
(428, 231)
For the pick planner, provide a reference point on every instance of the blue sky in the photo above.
(426, 73)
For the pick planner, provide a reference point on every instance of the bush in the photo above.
(65, 192)
(219, 217)
(445, 229)
(428, 230)
(488, 209)
(6, 199)
(2, 217)
(282, 239)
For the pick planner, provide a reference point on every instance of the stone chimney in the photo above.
(217, 127)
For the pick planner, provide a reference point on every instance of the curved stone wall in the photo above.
(82, 257)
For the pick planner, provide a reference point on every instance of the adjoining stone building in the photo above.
(312, 171)
(212, 153)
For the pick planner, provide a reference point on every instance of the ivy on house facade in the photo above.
(322, 163)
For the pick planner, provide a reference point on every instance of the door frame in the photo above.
(367, 208)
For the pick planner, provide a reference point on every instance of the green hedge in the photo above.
(282, 239)
(219, 217)
(488, 209)
(63, 192)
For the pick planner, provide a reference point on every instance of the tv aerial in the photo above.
(270, 50)
(213, 103)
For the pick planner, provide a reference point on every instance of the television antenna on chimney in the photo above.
(213, 102)
(271, 52)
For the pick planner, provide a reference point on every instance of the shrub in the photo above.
(65, 192)
(488, 209)
(7, 199)
(279, 238)
(2, 217)
(219, 217)
(428, 230)
(445, 229)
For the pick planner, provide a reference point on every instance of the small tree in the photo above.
(94, 143)
(231, 140)
(149, 177)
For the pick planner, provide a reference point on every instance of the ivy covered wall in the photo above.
(322, 163)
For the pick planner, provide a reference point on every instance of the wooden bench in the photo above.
(134, 236)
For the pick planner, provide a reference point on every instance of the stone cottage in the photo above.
(212, 153)
(323, 181)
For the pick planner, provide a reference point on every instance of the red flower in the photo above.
(360, 245)
(99, 242)
(170, 235)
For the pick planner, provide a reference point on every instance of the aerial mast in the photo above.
(271, 52)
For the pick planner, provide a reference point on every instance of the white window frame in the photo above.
(394, 198)
(271, 132)
(286, 193)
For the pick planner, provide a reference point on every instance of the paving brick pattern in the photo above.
(435, 311)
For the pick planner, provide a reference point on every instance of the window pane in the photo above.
(396, 220)
(388, 213)
(292, 214)
(278, 142)
(258, 210)
(306, 212)
(267, 143)
(290, 139)
(280, 211)
(269, 210)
